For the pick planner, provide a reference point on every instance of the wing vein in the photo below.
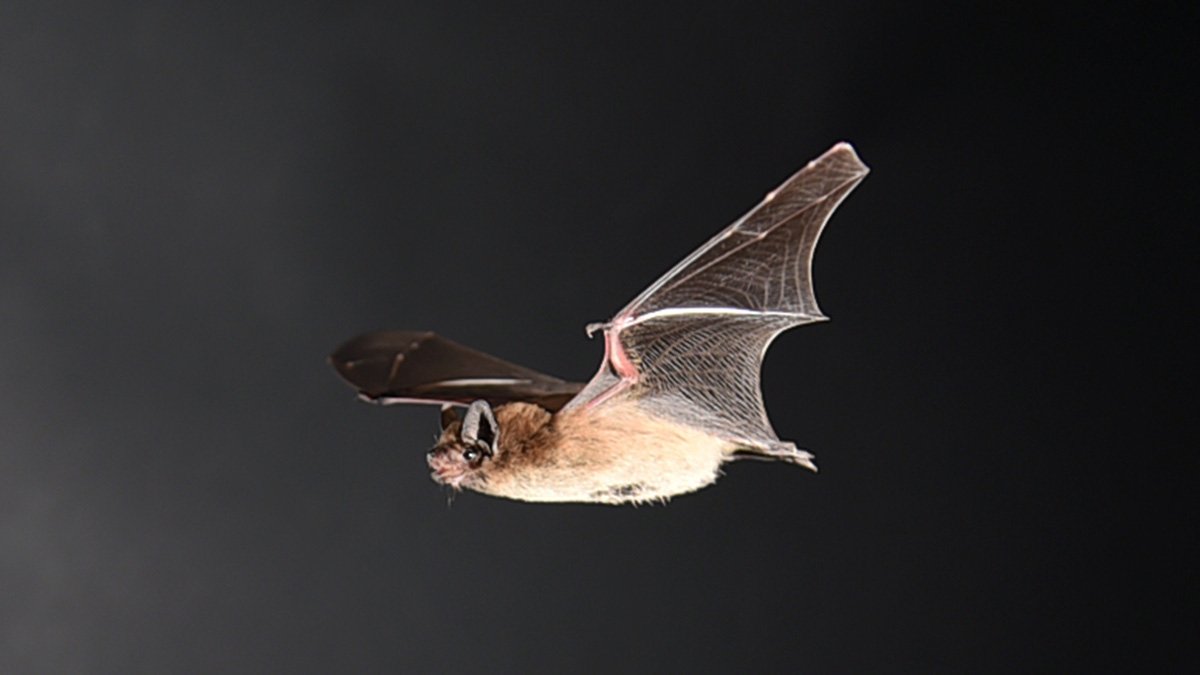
(670, 280)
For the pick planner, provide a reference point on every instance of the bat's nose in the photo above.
(435, 459)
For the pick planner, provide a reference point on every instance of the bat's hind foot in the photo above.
(784, 451)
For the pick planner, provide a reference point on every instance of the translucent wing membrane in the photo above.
(422, 367)
(763, 262)
(690, 347)
(704, 372)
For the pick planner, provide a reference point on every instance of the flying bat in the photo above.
(677, 394)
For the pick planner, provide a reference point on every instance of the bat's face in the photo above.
(456, 464)
(465, 447)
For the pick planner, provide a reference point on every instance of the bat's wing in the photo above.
(690, 347)
(423, 367)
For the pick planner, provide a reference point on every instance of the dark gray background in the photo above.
(197, 205)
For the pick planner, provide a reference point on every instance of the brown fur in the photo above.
(613, 454)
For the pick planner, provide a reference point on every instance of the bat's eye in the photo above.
(471, 455)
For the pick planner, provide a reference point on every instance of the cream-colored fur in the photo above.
(613, 454)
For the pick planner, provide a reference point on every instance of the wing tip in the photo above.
(846, 152)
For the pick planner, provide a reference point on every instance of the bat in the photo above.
(677, 394)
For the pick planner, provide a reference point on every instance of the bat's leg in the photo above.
(622, 366)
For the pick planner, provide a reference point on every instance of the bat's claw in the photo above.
(788, 452)
(591, 328)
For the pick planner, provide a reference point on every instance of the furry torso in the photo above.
(611, 454)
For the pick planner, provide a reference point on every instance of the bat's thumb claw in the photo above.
(591, 328)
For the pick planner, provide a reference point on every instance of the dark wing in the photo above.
(690, 347)
(403, 366)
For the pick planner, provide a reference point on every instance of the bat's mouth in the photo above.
(449, 477)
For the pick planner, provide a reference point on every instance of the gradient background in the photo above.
(198, 205)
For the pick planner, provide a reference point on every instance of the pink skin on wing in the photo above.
(615, 356)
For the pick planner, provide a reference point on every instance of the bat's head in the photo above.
(465, 447)
(484, 450)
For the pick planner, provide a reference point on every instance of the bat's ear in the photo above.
(479, 428)
(449, 415)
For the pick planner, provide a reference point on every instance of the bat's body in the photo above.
(677, 394)
(610, 454)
